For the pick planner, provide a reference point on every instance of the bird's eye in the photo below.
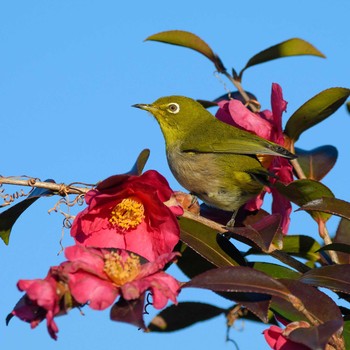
(173, 108)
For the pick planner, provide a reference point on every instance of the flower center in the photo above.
(120, 270)
(129, 213)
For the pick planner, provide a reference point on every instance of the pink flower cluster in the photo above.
(124, 239)
(266, 124)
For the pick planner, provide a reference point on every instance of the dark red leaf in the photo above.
(129, 311)
(316, 337)
(335, 277)
(183, 315)
(318, 162)
(238, 279)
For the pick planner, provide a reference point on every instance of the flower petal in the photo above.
(87, 288)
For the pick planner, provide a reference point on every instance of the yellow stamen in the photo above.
(129, 213)
(119, 271)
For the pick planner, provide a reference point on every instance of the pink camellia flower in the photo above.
(42, 300)
(128, 212)
(277, 339)
(99, 276)
(268, 125)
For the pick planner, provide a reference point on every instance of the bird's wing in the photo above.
(236, 141)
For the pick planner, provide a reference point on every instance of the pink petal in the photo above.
(243, 118)
(278, 104)
(91, 257)
(40, 291)
(88, 288)
(271, 335)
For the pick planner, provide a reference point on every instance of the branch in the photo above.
(61, 189)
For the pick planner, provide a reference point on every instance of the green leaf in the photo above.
(129, 311)
(291, 47)
(203, 240)
(140, 162)
(315, 110)
(302, 246)
(10, 216)
(189, 40)
(329, 205)
(183, 315)
(348, 106)
(190, 262)
(238, 279)
(303, 191)
(275, 271)
(334, 277)
(346, 334)
(318, 162)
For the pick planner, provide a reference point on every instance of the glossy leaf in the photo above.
(10, 216)
(275, 271)
(129, 311)
(291, 47)
(256, 303)
(189, 40)
(318, 162)
(140, 163)
(236, 95)
(346, 334)
(303, 191)
(302, 246)
(203, 240)
(342, 236)
(316, 337)
(334, 277)
(238, 279)
(329, 205)
(262, 233)
(338, 247)
(248, 315)
(311, 299)
(190, 262)
(315, 110)
(183, 315)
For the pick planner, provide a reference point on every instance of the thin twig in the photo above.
(324, 234)
(299, 171)
(239, 87)
(32, 182)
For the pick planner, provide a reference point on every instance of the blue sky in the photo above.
(69, 73)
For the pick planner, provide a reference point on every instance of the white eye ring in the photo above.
(173, 108)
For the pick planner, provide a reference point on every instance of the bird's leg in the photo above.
(194, 200)
(231, 222)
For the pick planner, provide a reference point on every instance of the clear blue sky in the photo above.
(69, 72)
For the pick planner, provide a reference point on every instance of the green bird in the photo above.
(215, 161)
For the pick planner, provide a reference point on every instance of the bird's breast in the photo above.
(213, 177)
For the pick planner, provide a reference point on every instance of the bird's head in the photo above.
(175, 114)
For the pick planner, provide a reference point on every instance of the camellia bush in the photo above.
(133, 226)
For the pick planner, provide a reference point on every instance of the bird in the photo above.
(214, 161)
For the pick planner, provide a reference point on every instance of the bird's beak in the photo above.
(144, 106)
